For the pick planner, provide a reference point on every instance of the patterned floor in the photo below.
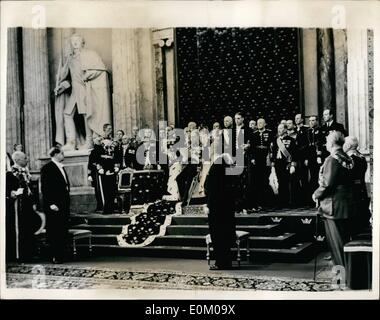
(78, 277)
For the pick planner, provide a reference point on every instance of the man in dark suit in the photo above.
(221, 213)
(55, 187)
(313, 155)
(330, 124)
(361, 219)
(242, 137)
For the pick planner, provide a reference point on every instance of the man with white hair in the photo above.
(334, 196)
(362, 216)
(21, 219)
(221, 211)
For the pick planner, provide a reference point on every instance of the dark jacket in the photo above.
(54, 188)
(261, 145)
(335, 187)
(315, 141)
(291, 147)
(335, 126)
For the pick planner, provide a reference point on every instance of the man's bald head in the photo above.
(228, 122)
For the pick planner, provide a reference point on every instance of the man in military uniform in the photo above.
(261, 145)
(108, 166)
(284, 159)
(313, 155)
(92, 172)
(291, 130)
(21, 204)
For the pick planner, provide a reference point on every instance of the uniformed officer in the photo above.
(261, 144)
(108, 166)
(92, 172)
(313, 154)
(284, 159)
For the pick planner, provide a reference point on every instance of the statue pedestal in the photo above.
(82, 194)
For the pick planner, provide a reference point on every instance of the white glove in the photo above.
(101, 171)
(306, 162)
(54, 207)
(19, 191)
(253, 161)
(319, 160)
(292, 170)
(90, 178)
(116, 169)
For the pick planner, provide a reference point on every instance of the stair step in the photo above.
(100, 229)
(199, 240)
(203, 219)
(280, 241)
(297, 253)
(257, 230)
(99, 219)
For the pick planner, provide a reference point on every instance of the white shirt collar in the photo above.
(59, 164)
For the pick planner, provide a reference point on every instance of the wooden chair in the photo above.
(77, 234)
(240, 236)
(124, 193)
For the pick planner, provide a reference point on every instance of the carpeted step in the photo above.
(105, 239)
(100, 219)
(297, 253)
(256, 230)
(281, 241)
(202, 219)
(100, 229)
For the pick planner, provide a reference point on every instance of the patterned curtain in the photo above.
(225, 70)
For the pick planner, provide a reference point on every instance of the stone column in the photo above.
(357, 87)
(37, 111)
(340, 58)
(148, 110)
(310, 69)
(360, 93)
(126, 86)
(14, 91)
(325, 47)
(163, 41)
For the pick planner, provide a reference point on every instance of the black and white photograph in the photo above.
(202, 156)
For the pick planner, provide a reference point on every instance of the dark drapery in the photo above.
(225, 70)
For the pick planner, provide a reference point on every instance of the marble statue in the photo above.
(82, 87)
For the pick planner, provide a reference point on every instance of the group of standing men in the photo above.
(296, 153)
